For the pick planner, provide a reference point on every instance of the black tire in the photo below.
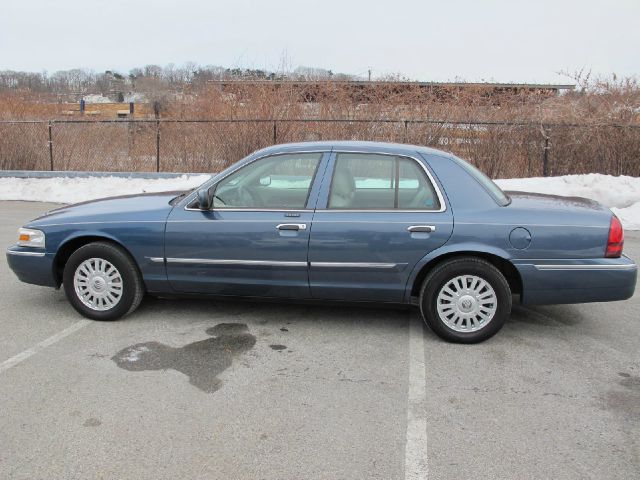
(445, 272)
(132, 285)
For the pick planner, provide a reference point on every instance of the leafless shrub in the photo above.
(104, 147)
(23, 146)
(593, 129)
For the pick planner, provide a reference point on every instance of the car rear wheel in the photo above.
(465, 300)
(102, 282)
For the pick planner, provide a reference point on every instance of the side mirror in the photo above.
(204, 199)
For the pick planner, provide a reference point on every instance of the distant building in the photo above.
(107, 109)
(367, 91)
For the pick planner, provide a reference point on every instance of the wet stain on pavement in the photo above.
(626, 401)
(201, 361)
(92, 422)
(631, 382)
(277, 347)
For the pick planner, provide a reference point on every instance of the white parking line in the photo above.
(415, 452)
(22, 356)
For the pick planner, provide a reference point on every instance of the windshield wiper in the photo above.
(175, 200)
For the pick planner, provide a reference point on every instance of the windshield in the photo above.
(495, 191)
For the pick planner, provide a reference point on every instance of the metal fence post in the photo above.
(545, 157)
(50, 146)
(275, 132)
(406, 136)
(158, 146)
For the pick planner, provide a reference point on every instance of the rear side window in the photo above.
(380, 182)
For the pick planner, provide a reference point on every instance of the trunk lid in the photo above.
(541, 201)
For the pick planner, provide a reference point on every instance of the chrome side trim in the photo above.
(345, 210)
(247, 209)
(261, 263)
(372, 220)
(25, 254)
(276, 263)
(227, 220)
(623, 257)
(156, 259)
(352, 265)
(631, 266)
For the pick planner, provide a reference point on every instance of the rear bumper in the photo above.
(32, 266)
(577, 281)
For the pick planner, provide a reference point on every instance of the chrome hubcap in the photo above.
(466, 303)
(98, 284)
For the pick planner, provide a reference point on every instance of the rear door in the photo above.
(377, 216)
(254, 241)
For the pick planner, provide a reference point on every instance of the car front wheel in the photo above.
(102, 282)
(465, 300)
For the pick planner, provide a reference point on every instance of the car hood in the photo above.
(125, 208)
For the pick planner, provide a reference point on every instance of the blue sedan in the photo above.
(343, 221)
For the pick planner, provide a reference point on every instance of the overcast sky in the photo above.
(491, 40)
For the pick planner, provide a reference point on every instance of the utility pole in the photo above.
(369, 71)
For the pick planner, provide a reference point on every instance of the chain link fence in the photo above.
(501, 149)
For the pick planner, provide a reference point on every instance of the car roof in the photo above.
(360, 146)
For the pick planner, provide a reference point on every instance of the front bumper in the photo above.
(547, 282)
(32, 266)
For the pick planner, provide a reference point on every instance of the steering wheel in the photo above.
(245, 197)
(224, 204)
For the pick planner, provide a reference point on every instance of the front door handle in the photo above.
(421, 228)
(292, 226)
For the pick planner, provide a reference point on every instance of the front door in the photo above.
(254, 240)
(377, 217)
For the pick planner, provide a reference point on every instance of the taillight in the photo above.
(616, 239)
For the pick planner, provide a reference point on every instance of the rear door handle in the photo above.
(421, 228)
(292, 226)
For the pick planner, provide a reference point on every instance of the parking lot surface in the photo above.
(201, 389)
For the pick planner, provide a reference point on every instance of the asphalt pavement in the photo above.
(200, 389)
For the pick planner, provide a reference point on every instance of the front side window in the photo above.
(277, 182)
(380, 182)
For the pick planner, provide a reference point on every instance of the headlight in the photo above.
(28, 237)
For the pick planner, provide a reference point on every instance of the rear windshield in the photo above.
(495, 191)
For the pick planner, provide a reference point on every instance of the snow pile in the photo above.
(80, 189)
(96, 98)
(621, 194)
(629, 216)
(135, 97)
